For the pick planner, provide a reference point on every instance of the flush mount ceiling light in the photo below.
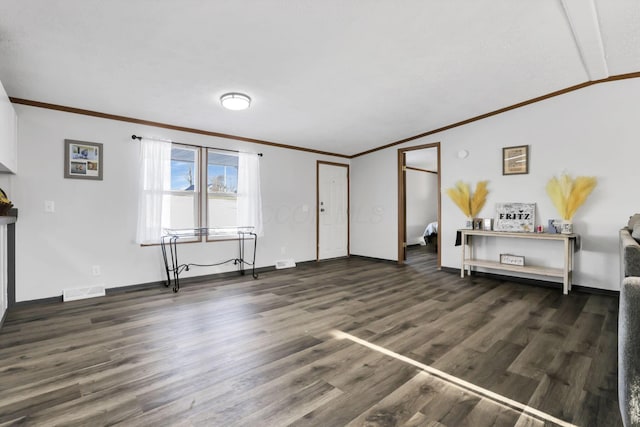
(235, 101)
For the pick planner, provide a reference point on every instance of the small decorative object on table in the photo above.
(568, 195)
(554, 226)
(488, 224)
(511, 259)
(5, 203)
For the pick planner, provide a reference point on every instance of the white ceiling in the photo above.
(342, 76)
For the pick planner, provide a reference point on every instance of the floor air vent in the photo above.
(81, 293)
(285, 263)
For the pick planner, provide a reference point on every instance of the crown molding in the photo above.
(107, 116)
(503, 110)
(310, 150)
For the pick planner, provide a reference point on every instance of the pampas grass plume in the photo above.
(582, 187)
(460, 196)
(479, 198)
(468, 204)
(568, 195)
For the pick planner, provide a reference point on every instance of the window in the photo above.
(222, 189)
(173, 177)
(181, 206)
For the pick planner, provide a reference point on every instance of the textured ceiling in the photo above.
(343, 76)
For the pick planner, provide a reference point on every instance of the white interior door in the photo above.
(333, 210)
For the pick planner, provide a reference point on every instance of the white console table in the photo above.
(565, 272)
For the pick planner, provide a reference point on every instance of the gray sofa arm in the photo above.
(628, 351)
(630, 254)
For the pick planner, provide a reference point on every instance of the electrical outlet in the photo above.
(49, 206)
(95, 270)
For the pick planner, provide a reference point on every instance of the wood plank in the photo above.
(402, 404)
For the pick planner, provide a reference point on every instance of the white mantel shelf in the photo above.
(565, 272)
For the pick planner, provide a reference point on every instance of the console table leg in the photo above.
(567, 267)
(469, 240)
(572, 243)
(463, 243)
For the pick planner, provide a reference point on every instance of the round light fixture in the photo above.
(235, 101)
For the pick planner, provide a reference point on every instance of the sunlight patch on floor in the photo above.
(499, 399)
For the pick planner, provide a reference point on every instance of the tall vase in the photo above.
(567, 227)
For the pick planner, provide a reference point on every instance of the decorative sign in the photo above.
(511, 259)
(515, 217)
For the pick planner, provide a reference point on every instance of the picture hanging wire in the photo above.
(134, 137)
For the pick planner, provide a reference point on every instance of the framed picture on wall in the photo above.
(83, 160)
(515, 160)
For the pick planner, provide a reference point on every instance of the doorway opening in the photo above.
(419, 199)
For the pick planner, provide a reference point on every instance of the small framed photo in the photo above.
(83, 160)
(515, 160)
(555, 226)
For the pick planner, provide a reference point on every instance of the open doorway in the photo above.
(419, 201)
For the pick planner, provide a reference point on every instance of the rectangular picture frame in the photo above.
(515, 217)
(83, 160)
(515, 160)
(554, 226)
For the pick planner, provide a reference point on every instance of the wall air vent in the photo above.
(285, 263)
(73, 294)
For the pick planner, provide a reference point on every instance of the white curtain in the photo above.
(154, 179)
(249, 201)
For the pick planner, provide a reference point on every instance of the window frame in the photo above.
(202, 194)
(197, 209)
(205, 192)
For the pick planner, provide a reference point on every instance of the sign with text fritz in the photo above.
(515, 217)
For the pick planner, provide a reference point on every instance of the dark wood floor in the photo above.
(345, 342)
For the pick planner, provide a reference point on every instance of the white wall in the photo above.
(94, 221)
(374, 205)
(8, 134)
(422, 203)
(593, 131)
